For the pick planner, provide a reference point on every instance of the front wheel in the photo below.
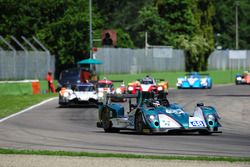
(210, 87)
(237, 83)
(105, 120)
(139, 124)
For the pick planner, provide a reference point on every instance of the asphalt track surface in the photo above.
(48, 127)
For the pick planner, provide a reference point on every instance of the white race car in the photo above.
(83, 93)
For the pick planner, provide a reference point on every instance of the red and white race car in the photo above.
(148, 84)
(106, 86)
(243, 78)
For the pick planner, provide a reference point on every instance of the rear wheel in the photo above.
(106, 123)
(210, 87)
(105, 120)
(139, 124)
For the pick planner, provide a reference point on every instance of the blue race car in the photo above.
(194, 80)
(153, 115)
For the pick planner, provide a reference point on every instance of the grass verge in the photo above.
(24, 88)
(115, 155)
(11, 104)
(218, 77)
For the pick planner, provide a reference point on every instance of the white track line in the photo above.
(27, 109)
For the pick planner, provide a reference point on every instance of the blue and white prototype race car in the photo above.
(194, 80)
(81, 93)
(150, 115)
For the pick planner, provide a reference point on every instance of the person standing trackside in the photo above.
(49, 78)
(107, 41)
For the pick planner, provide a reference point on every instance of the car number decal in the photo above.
(197, 123)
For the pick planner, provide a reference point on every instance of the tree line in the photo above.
(197, 26)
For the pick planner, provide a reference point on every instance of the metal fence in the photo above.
(121, 60)
(16, 65)
(229, 59)
(25, 64)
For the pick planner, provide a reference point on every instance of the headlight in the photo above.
(130, 88)
(210, 117)
(179, 81)
(118, 91)
(66, 94)
(152, 117)
(159, 88)
(238, 78)
(100, 94)
(203, 81)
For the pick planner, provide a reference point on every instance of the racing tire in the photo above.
(210, 87)
(204, 132)
(139, 124)
(106, 123)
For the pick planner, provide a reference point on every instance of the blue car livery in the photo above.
(194, 80)
(156, 115)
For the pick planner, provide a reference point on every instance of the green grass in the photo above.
(218, 77)
(22, 88)
(15, 97)
(115, 155)
(11, 104)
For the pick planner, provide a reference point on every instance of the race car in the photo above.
(194, 80)
(148, 84)
(242, 78)
(155, 115)
(73, 76)
(106, 86)
(81, 93)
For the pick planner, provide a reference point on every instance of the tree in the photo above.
(63, 26)
(224, 23)
(122, 15)
(150, 21)
(123, 39)
(196, 48)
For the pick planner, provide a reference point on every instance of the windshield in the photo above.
(69, 74)
(147, 80)
(194, 76)
(104, 85)
(85, 88)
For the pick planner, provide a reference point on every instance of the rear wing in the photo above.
(116, 80)
(110, 95)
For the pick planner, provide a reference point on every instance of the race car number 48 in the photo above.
(197, 123)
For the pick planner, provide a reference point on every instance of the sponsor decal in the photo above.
(174, 111)
(192, 80)
(197, 123)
